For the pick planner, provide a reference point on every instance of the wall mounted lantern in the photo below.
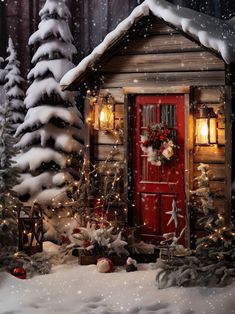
(30, 229)
(104, 113)
(205, 126)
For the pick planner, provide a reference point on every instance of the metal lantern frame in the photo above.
(205, 126)
(30, 229)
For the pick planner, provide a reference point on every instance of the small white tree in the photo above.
(13, 87)
(52, 132)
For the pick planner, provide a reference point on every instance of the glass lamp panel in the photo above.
(213, 137)
(202, 131)
(106, 117)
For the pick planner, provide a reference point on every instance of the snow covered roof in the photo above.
(209, 31)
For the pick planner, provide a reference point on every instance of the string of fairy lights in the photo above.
(85, 206)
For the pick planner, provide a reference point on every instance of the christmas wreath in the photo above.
(158, 143)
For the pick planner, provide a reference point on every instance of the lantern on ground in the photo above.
(30, 229)
(104, 113)
(205, 126)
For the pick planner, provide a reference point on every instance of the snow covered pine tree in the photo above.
(8, 176)
(13, 87)
(52, 132)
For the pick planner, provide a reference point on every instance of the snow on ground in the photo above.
(75, 289)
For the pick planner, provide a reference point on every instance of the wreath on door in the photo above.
(159, 144)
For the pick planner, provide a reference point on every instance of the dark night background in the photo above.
(91, 21)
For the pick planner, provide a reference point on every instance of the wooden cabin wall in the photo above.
(164, 57)
(213, 155)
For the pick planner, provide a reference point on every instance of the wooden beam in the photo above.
(157, 90)
(202, 78)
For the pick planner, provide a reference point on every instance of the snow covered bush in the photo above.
(13, 87)
(51, 136)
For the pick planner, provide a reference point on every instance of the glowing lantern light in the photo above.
(104, 113)
(205, 126)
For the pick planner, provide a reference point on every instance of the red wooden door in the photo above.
(159, 191)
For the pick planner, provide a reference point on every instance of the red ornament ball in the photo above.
(104, 265)
(19, 272)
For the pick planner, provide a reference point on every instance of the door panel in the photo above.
(156, 188)
(150, 213)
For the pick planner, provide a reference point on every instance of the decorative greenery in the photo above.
(158, 143)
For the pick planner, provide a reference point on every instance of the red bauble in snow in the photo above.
(19, 272)
(104, 265)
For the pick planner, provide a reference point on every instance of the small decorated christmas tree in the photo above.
(213, 262)
(219, 236)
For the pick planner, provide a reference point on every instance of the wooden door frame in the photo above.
(129, 98)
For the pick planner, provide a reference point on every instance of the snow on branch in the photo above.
(46, 28)
(57, 67)
(17, 117)
(48, 86)
(49, 49)
(33, 185)
(15, 92)
(55, 7)
(12, 55)
(17, 104)
(62, 140)
(33, 158)
(12, 79)
(43, 114)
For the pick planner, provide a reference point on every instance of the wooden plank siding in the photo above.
(162, 59)
(204, 78)
(160, 44)
(164, 62)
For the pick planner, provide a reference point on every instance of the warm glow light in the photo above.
(202, 131)
(205, 126)
(103, 116)
(106, 117)
(213, 130)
